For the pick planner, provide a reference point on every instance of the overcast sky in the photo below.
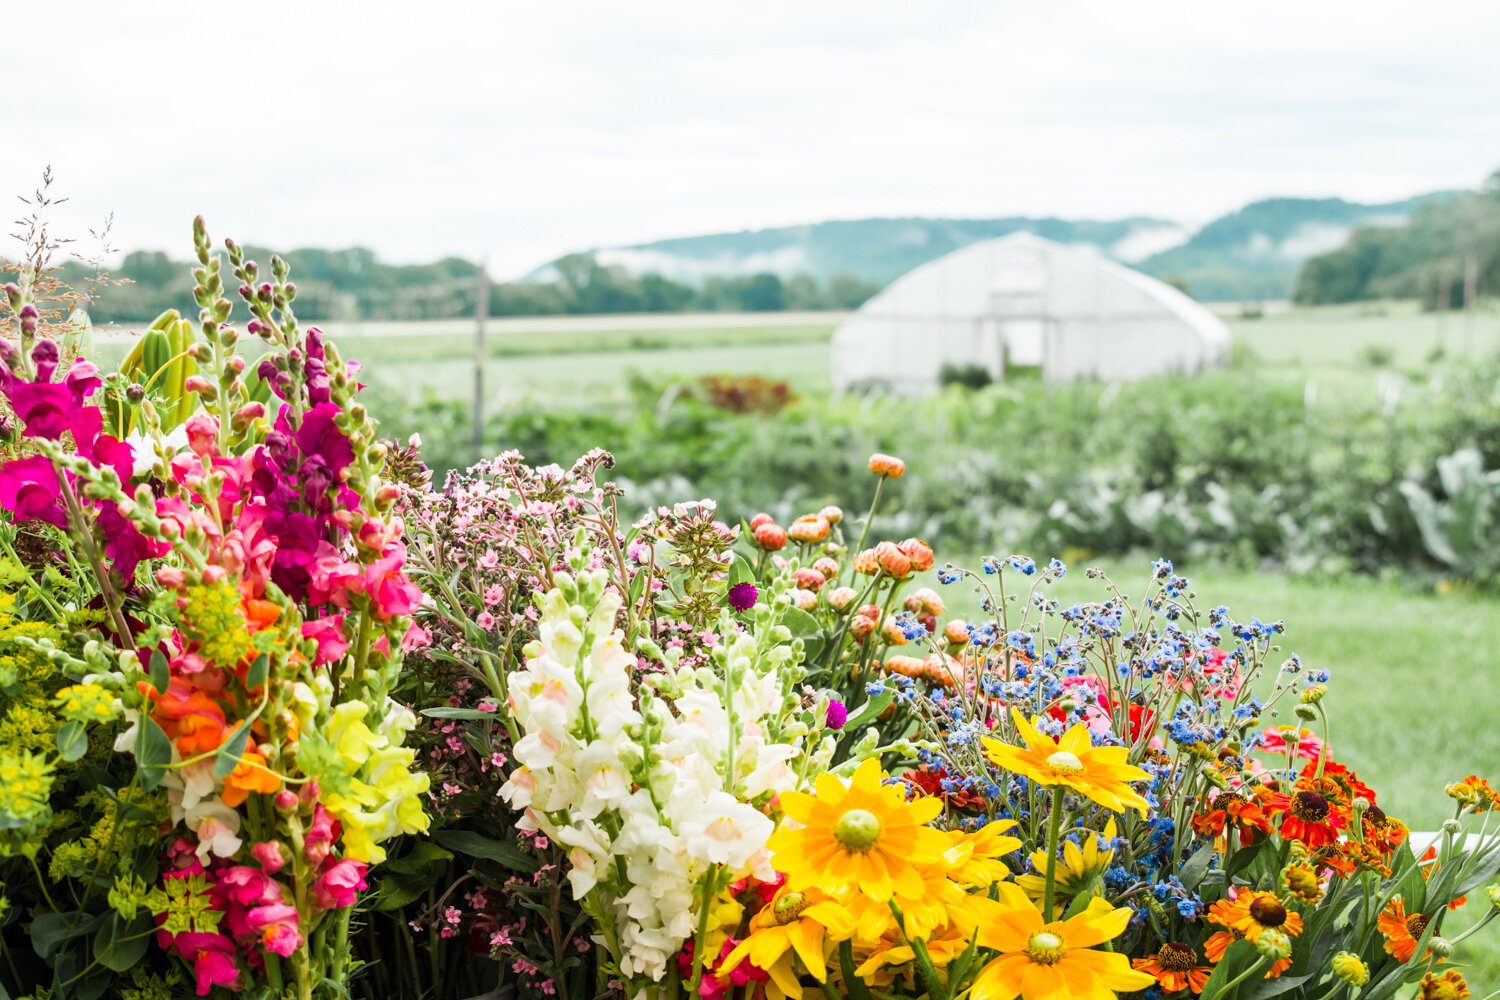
(522, 131)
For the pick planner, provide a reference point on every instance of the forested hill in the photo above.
(1427, 255)
(878, 250)
(1253, 253)
(1258, 251)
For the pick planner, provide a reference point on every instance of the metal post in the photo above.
(481, 307)
(1471, 294)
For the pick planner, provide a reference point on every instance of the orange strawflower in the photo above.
(887, 465)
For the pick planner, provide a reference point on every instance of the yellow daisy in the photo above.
(864, 836)
(1100, 773)
(978, 859)
(1057, 960)
(800, 924)
(1077, 868)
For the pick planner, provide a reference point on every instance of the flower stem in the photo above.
(855, 985)
(710, 891)
(935, 989)
(1259, 964)
(870, 517)
(1054, 832)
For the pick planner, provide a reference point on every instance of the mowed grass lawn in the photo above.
(1414, 701)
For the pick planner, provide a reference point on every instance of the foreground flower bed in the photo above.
(280, 718)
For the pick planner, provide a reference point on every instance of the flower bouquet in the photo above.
(225, 603)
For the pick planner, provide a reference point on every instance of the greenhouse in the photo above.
(1021, 301)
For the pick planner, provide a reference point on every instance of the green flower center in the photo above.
(1065, 763)
(1045, 948)
(789, 907)
(857, 830)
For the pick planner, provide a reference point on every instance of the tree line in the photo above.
(356, 285)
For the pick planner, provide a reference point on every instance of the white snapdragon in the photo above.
(648, 782)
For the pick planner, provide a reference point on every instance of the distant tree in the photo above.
(763, 293)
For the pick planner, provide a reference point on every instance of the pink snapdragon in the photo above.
(339, 884)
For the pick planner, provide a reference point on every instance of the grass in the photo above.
(1413, 698)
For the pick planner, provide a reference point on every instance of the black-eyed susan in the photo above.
(1252, 913)
(1053, 961)
(1175, 966)
(1402, 930)
(1100, 773)
(1078, 866)
(800, 924)
(863, 836)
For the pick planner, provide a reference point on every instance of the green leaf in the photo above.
(1196, 866)
(477, 846)
(228, 756)
(1240, 956)
(260, 669)
(72, 741)
(397, 892)
(805, 627)
(153, 752)
(740, 571)
(161, 672)
(869, 711)
(424, 855)
(50, 930)
(444, 712)
(120, 945)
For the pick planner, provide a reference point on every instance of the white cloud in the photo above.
(523, 131)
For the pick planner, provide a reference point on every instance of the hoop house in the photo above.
(1020, 301)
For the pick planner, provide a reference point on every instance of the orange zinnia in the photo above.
(1100, 773)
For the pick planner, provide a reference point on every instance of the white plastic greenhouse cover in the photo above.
(1023, 300)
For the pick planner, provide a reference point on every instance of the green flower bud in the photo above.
(1274, 945)
(1350, 969)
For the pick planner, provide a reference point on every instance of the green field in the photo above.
(1344, 350)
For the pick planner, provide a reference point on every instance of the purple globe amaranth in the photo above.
(837, 714)
(742, 596)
